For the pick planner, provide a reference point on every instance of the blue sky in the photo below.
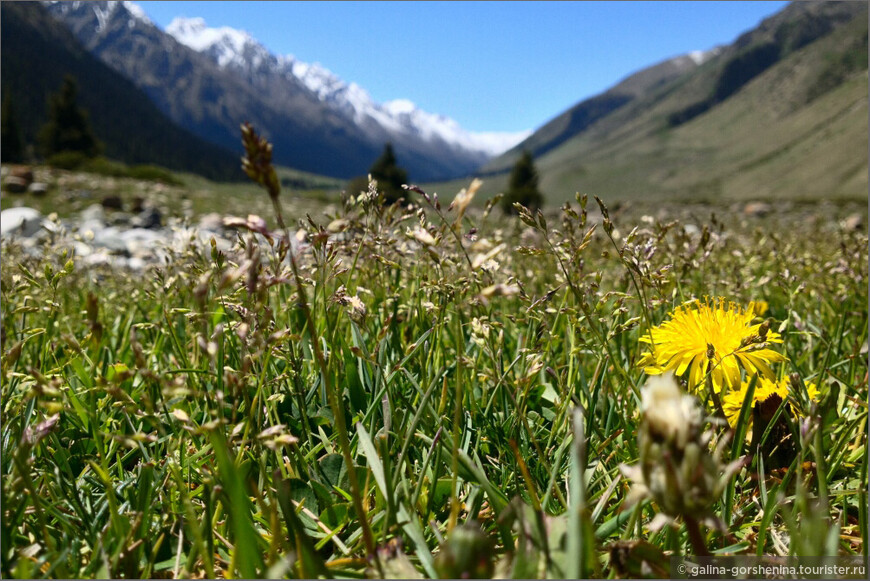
(492, 66)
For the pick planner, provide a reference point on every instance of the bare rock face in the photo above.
(337, 133)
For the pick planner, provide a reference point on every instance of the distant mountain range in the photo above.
(210, 80)
(781, 113)
(238, 50)
(37, 52)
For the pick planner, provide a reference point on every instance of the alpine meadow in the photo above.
(633, 338)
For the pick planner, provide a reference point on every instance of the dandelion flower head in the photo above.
(718, 335)
(765, 390)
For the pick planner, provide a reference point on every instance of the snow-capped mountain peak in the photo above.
(400, 106)
(104, 10)
(226, 45)
(699, 57)
(136, 11)
(400, 118)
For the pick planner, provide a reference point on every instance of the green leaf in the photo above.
(355, 389)
(248, 557)
(743, 419)
(375, 465)
(302, 493)
(333, 469)
(311, 563)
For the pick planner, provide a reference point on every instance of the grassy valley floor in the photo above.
(432, 392)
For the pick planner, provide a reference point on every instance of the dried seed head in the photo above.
(669, 413)
(676, 467)
(763, 329)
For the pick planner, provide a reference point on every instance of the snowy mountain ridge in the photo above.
(237, 49)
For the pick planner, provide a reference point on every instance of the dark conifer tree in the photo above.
(523, 185)
(11, 144)
(67, 128)
(390, 176)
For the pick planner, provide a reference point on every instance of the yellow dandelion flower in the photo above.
(716, 337)
(767, 392)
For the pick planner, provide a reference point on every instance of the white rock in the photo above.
(38, 188)
(111, 239)
(21, 221)
(97, 259)
(212, 222)
(135, 263)
(141, 241)
(93, 212)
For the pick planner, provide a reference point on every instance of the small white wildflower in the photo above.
(480, 259)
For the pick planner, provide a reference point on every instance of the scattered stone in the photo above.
(110, 238)
(23, 221)
(149, 218)
(138, 205)
(141, 241)
(112, 203)
(212, 222)
(757, 209)
(853, 222)
(93, 212)
(120, 219)
(38, 188)
(15, 185)
(23, 172)
(91, 220)
(97, 259)
(82, 249)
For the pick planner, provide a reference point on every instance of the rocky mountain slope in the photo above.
(37, 52)
(210, 80)
(587, 112)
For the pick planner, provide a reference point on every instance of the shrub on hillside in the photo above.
(153, 173)
(68, 160)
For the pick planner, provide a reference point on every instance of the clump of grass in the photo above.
(400, 391)
(74, 160)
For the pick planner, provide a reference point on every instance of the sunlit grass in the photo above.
(445, 397)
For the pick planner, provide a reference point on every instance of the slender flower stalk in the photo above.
(257, 164)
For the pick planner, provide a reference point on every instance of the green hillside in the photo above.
(794, 127)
